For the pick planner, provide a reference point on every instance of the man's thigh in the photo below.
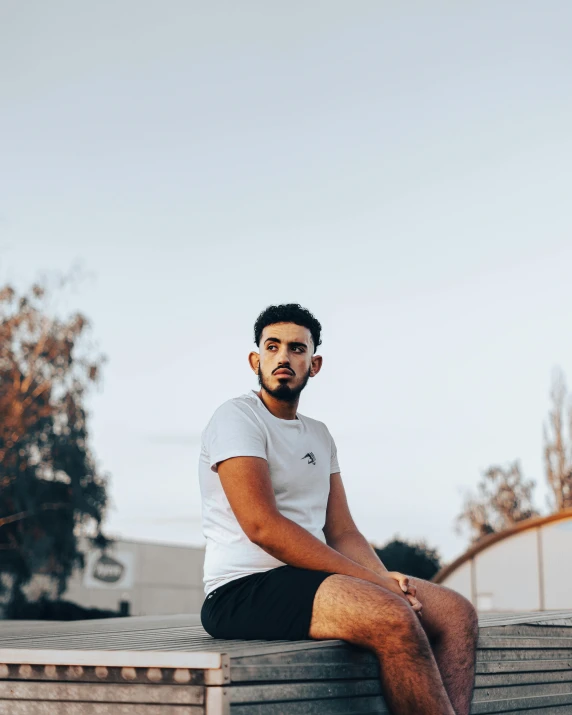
(359, 612)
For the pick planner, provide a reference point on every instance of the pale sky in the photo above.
(401, 169)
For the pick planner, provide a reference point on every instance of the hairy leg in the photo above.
(450, 622)
(370, 616)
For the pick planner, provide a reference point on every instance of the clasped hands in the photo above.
(408, 589)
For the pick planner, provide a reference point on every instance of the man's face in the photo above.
(286, 360)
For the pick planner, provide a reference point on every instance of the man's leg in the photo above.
(451, 623)
(370, 616)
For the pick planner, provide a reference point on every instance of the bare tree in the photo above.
(558, 444)
(503, 498)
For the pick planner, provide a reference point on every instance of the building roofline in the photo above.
(491, 539)
(118, 539)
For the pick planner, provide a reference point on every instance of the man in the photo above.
(284, 559)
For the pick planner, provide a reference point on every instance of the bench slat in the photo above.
(282, 692)
(508, 678)
(307, 671)
(520, 704)
(344, 706)
(526, 654)
(43, 707)
(508, 692)
(523, 666)
(93, 692)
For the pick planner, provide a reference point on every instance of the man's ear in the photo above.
(316, 365)
(254, 361)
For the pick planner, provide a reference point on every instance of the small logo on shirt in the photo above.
(310, 457)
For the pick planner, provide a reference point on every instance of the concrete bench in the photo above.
(169, 666)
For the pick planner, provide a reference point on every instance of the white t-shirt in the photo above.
(301, 455)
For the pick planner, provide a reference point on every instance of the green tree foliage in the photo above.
(503, 498)
(51, 492)
(410, 557)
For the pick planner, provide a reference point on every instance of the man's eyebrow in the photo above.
(294, 343)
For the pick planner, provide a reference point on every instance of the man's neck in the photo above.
(279, 408)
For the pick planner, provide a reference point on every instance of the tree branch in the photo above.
(24, 514)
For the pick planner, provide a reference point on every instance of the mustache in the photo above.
(284, 367)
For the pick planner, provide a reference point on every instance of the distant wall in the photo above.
(157, 579)
(528, 570)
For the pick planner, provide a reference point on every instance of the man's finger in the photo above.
(404, 583)
(413, 600)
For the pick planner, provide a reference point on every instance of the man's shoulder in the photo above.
(233, 431)
(243, 404)
(247, 401)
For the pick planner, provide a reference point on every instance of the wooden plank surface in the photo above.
(98, 625)
(503, 619)
(524, 664)
(182, 632)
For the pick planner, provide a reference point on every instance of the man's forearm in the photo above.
(356, 547)
(292, 544)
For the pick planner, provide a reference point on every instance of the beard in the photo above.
(284, 393)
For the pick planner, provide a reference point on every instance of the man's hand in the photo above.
(408, 589)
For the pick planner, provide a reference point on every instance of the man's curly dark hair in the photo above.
(288, 313)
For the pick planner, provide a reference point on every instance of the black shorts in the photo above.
(272, 605)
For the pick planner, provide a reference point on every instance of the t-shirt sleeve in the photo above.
(334, 464)
(233, 432)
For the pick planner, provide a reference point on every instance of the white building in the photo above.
(525, 568)
(155, 579)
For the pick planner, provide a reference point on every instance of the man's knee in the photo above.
(461, 608)
(447, 609)
(358, 611)
(469, 615)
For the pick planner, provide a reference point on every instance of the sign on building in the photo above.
(111, 570)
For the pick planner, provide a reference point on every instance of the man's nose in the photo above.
(283, 357)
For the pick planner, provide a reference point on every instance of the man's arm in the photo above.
(355, 546)
(246, 483)
(342, 533)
